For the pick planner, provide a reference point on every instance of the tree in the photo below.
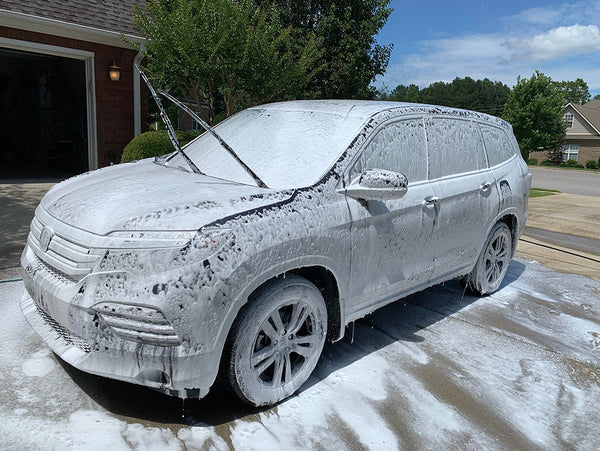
(224, 54)
(345, 33)
(534, 109)
(574, 91)
(401, 93)
(478, 95)
(597, 97)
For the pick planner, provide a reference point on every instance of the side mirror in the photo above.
(377, 184)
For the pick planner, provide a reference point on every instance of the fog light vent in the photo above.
(136, 323)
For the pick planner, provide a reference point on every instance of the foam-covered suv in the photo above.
(244, 252)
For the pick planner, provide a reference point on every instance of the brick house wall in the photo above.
(588, 151)
(114, 100)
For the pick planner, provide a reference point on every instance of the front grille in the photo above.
(51, 272)
(64, 333)
(65, 259)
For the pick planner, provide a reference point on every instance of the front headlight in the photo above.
(148, 252)
(148, 239)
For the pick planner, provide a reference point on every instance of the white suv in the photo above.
(164, 273)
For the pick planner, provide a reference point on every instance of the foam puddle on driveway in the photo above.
(518, 369)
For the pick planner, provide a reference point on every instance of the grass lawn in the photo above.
(541, 192)
(543, 166)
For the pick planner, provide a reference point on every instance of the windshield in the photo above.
(285, 148)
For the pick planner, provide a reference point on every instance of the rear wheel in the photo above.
(491, 267)
(276, 341)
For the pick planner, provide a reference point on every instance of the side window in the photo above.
(398, 146)
(497, 144)
(455, 146)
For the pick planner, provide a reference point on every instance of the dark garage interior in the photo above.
(43, 116)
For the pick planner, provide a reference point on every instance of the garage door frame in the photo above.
(90, 82)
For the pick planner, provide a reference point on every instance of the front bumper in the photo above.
(60, 314)
(142, 368)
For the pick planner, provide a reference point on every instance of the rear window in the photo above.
(497, 144)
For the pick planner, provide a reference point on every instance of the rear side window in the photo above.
(497, 144)
(455, 146)
(399, 147)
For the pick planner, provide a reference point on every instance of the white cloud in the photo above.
(539, 16)
(557, 43)
(567, 50)
(555, 15)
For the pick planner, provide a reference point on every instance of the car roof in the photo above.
(356, 108)
(364, 109)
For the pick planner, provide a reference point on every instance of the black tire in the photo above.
(276, 341)
(492, 264)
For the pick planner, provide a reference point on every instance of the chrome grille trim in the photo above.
(137, 323)
(54, 273)
(63, 256)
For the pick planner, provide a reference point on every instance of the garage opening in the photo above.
(43, 116)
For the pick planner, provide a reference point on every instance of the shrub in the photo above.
(532, 161)
(591, 164)
(570, 164)
(154, 144)
(547, 163)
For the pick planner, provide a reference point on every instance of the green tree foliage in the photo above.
(534, 109)
(597, 97)
(224, 54)
(401, 93)
(479, 95)
(574, 91)
(345, 33)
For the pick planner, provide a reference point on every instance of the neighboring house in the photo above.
(582, 139)
(60, 112)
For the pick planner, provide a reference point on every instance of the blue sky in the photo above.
(500, 40)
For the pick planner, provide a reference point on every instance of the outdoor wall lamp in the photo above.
(114, 72)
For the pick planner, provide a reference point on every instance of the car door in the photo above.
(465, 193)
(391, 240)
(509, 169)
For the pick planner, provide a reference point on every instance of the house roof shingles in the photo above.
(590, 111)
(109, 15)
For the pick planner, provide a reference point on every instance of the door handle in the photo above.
(485, 186)
(430, 201)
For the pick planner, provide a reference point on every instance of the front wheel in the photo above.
(276, 341)
(492, 264)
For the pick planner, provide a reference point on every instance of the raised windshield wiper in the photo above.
(202, 122)
(212, 131)
(167, 122)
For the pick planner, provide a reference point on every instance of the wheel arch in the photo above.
(323, 277)
(510, 219)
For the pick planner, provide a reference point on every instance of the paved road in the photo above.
(566, 180)
(519, 369)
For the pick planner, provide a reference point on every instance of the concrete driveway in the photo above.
(516, 370)
(18, 200)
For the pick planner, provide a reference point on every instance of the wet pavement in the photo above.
(519, 369)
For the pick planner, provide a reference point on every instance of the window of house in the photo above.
(455, 146)
(399, 147)
(570, 152)
(569, 120)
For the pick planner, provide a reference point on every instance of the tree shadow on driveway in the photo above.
(400, 321)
